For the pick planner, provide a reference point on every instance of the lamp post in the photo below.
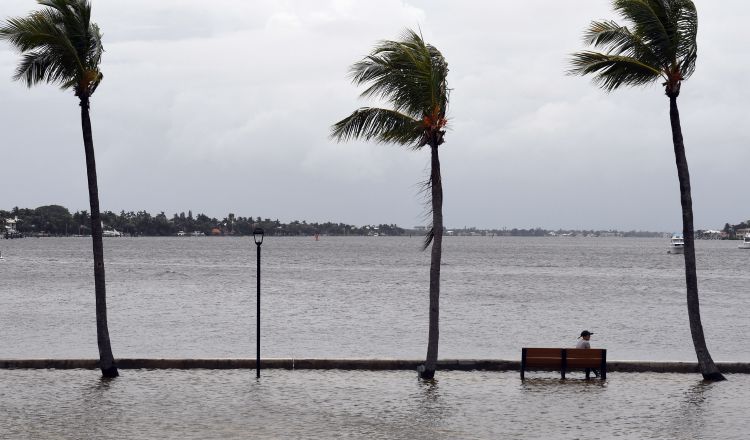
(258, 238)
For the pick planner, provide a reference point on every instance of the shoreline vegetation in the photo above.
(58, 221)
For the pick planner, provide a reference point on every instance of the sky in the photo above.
(226, 106)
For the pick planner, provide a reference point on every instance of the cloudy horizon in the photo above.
(226, 107)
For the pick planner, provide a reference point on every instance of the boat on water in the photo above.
(676, 244)
(745, 242)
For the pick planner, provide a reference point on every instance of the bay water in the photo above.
(368, 297)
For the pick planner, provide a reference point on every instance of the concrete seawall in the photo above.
(351, 364)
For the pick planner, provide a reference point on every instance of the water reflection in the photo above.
(544, 384)
(430, 405)
(688, 420)
(695, 395)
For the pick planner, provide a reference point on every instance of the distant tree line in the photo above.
(55, 220)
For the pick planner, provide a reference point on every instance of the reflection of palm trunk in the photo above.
(106, 359)
(436, 253)
(706, 364)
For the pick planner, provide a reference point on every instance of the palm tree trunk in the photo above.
(705, 363)
(436, 185)
(106, 360)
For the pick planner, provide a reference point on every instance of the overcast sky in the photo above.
(225, 106)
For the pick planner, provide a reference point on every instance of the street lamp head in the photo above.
(258, 236)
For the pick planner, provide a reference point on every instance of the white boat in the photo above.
(745, 242)
(676, 244)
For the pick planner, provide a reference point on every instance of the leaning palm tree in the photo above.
(61, 46)
(659, 45)
(411, 75)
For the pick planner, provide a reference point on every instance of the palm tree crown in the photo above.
(59, 44)
(660, 44)
(410, 75)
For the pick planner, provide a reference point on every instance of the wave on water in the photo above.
(168, 272)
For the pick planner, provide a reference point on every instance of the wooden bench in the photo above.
(564, 359)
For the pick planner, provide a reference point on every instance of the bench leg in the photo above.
(588, 373)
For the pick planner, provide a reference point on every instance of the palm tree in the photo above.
(411, 76)
(659, 45)
(60, 45)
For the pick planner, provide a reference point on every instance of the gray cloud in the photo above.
(225, 106)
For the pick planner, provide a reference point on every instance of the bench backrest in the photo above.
(553, 357)
(542, 357)
(584, 357)
(563, 359)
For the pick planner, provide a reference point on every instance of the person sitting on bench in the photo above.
(583, 342)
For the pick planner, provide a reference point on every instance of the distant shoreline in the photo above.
(56, 220)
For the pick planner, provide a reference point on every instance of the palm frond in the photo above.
(425, 191)
(381, 125)
(58, 44)
(685, 15)
(410, 74)
(618, 40)
(47, 52)
(36, 67)
(440, 93)
(660, 40)
(649, 21)
(613, 71)
(428, 237)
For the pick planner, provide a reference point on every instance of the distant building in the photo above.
(710, 235)
(10, 223)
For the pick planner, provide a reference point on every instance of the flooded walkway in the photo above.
(199, 404)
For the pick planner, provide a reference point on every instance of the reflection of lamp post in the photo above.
(258, 237)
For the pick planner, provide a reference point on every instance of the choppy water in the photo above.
(368, 297)
(200, 404)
